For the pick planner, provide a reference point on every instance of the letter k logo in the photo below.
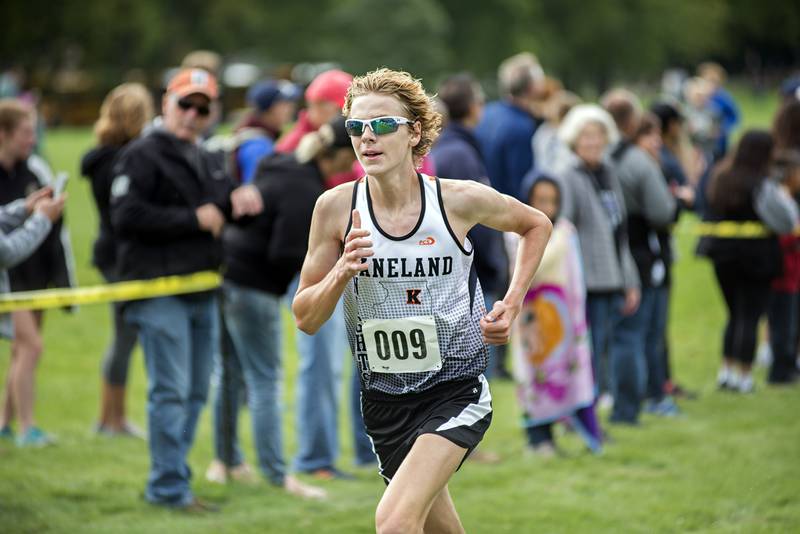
(413, 296)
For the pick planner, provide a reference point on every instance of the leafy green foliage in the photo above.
(592, 43)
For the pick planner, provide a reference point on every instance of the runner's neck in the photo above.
(395, 191)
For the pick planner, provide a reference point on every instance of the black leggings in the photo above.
(747, 299)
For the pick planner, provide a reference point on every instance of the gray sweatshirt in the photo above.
(605, 268)
(20, 236)
(644, 188)
(776, 208)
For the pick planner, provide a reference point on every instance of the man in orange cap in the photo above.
(169, 201)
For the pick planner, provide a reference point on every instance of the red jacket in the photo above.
(789, 281)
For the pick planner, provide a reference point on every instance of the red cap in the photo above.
(190, 81)
(330, 86)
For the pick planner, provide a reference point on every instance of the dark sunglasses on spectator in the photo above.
(202, 109)
(378, 125)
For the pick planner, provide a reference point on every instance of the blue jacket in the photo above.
(457, 155)
(505, 134)
(729, 118)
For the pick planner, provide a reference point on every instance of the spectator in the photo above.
(508, 125)
(457, 155)
(552, 358)
(320, 369)
(593, 201)
(125, 112)
(324, 99)
(651, 208)
(24, 225)
(722, 102)
(167, 205)
(48, 266)
(273, 244)
(786, 126)
(273, 106)
(211, 62)
(681, 171)
(740, 191)
(549, 153)
(681, 187)
(703, 119)
(784, 305)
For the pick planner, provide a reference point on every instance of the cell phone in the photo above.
(60, 183)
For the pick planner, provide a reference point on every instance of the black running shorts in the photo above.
(459, 411)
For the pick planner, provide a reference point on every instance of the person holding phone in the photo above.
(35, 240)
(394, 245)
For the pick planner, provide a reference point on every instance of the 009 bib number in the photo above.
(407, 345)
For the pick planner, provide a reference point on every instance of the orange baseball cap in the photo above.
(191, 81)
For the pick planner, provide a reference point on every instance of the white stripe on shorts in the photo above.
(474, 412)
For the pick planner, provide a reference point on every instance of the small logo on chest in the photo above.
(427, 241)
(413, 296)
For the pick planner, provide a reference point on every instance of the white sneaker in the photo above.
(217, 472)
(605, 402)
(764, 354)
(243, 473)
(305, 491)
(746, 384)
(723, 378)
(734, 380)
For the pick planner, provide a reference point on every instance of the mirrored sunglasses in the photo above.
(378, 125)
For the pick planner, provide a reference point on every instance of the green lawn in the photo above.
(732, 464)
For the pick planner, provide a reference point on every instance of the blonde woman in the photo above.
(123, 115)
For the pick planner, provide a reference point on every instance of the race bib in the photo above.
(407, 345)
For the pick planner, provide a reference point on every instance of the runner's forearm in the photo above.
(529, 254)
(314, 305)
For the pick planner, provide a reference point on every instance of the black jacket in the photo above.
(267, 251)
(457, 155)
(759, 259)
(98, 166)
(159, 183)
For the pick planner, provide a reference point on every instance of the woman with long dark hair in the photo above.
(740, 190)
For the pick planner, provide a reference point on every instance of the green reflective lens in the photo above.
(383, 125)
(354, 127)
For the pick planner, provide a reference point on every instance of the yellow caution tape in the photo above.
(119, 291)
(733, 229)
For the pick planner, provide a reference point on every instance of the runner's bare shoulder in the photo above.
(333, 209)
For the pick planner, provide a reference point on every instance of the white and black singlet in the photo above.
(413, 315)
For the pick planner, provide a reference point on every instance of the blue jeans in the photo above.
(603, 315)
(621, 339)
(253, 321)
(178, 335)
(655, 307)
(784, 308)
(319, 382)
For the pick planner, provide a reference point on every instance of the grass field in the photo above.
(731, 464)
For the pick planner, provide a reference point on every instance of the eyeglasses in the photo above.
(186, 105)
(378, 125)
